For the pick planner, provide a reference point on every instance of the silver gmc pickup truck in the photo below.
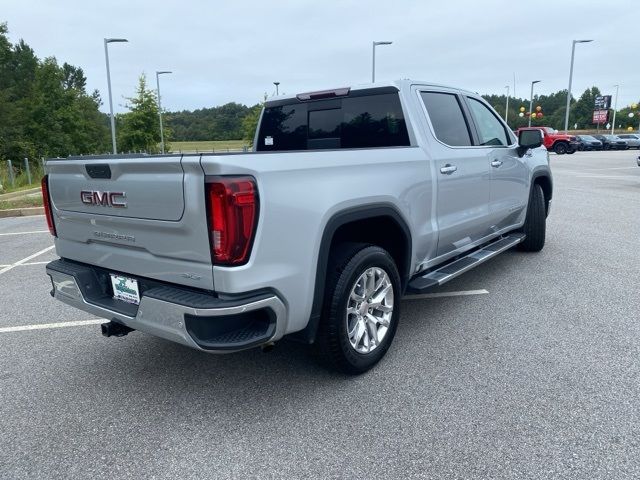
(352, 198)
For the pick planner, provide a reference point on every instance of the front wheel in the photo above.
(535, 223)
(560, 148)
(361, 309)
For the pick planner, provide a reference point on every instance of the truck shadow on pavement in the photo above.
(141, 365)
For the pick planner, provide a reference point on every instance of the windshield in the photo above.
(549, 130)
(587, 137)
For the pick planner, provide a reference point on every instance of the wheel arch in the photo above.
(345, 222)
(543, 179)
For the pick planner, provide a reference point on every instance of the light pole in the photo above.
(573, 53)
(158, 73)
(373, 63)
(531, 100)
(276, 84)
(615, 106)
(106, 56)
(506, 110)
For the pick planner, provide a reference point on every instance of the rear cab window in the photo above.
(371, 118)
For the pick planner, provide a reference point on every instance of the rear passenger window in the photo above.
(447, 118)
(490, 129)
(365, 121)
(373, 121)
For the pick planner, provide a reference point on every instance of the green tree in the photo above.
(250, 123)
(139, 129)
(582, 112)
(44, 108)
(624, 121)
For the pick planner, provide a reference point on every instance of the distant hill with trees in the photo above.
(215, 123)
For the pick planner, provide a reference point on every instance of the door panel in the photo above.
(463, 199)
(509, 186)
(462, 170)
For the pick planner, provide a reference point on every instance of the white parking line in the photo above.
(24, 233)
(45, 326)
(27, 264)
(614, 168)
(607, 176)
(445, 294)
(25, 260)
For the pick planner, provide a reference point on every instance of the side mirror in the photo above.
(528, 139)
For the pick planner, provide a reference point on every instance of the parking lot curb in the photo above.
(19, 193)
(21, 212)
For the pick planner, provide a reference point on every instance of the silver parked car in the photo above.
(632, 139)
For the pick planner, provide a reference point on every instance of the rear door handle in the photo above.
(496, 163)
(448, 169)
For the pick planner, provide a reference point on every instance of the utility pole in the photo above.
(373, 62)
(107, 41)
(506, 110)
(531, 100)
(566, 114)
(158, 73)
(615, 106)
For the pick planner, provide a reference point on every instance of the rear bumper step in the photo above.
(435, 278)
(194, 319)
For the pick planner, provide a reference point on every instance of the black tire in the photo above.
(560, 148)
(348, 263)
(535, 223)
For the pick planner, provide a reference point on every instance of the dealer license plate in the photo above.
(125, 289)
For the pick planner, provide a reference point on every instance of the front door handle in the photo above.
(448, 169)
(496, 163)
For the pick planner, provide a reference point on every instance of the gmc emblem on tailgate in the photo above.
(105, 199)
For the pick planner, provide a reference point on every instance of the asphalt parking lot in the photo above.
(535, 374)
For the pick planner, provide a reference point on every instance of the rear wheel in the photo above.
(361, 308)
(535, 223)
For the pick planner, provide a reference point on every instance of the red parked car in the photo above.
(554, 141)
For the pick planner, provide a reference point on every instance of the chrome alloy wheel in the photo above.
(369, 310)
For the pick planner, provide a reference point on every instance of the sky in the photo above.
(233, 51)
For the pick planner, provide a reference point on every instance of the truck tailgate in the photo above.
(145, 216)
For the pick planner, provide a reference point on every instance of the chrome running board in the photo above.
(447, 272)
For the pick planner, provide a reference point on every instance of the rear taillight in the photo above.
(232, 205)
(46, 202)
